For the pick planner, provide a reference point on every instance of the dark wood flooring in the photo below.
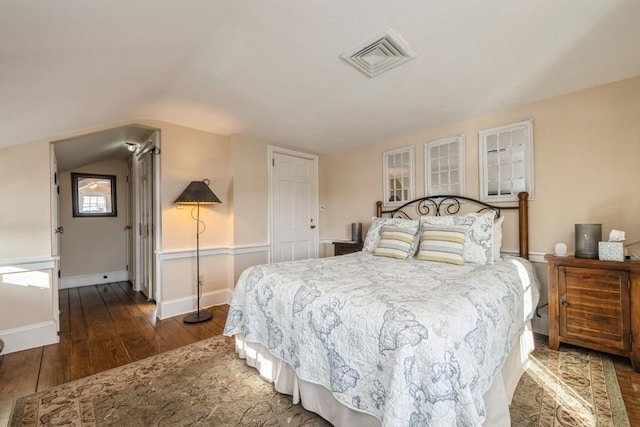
(106, 326)
(101, 327)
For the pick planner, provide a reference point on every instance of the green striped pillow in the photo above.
(442, 243)
(396, 242)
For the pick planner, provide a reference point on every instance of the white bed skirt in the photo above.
(318, 399)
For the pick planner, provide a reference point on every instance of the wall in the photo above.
(250, 203)
(586, 150)
(189, 155)
(26, 265)
(91, 248)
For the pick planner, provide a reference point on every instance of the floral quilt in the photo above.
(413, 343)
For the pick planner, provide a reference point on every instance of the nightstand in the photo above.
(343, 248)
(595, 304)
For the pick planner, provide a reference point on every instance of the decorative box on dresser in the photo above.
(595, 304)
(343, 248)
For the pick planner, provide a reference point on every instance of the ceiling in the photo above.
(272, 69)
(90, 148)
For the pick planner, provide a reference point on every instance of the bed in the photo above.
(372, 338)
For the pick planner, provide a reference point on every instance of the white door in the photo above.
(55, 236)
(294, 194)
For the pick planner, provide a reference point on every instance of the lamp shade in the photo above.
(197, 192)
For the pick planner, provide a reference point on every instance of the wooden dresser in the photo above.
(595, 304)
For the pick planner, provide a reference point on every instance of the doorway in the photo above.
(293, 201)
(112, 241)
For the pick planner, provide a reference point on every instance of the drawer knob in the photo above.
(564, 303)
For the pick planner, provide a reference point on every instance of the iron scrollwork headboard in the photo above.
(450, 205)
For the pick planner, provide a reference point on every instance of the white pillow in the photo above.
(497, 238)
(478, 247)
(373, 234)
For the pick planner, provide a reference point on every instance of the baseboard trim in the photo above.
(184, 305)
(30, 336)
(92, 279)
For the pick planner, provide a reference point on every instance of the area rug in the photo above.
(206, 384)
(572, 387)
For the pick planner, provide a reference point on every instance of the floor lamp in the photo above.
(198, 193)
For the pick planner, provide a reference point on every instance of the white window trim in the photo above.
(385, 182)
(527, 125)
(427, 162)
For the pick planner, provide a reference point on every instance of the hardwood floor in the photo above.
(106, 326)
(101, 327)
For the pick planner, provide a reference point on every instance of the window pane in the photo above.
(444, 164)
(435, 179)
(505, 186)
(504, 139)
(453, 148)
(492, 142)
(518, 185)
(517, 154)
(505, 171)
(492, 158)
(405, 159)
(492, 187)
(518, 170)
(444, 150)
(518, 137)
(444, 178)
(435, 165)
(453, 162)
(493, 173)
(453, 177)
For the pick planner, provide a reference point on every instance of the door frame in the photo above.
(271, 150)
(55, 235)
(155, 288)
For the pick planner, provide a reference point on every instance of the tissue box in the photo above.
(611, 251)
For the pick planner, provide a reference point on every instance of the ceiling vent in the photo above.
(379, 54)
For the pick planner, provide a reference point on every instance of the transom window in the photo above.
(444, 166)
(398, 176)
(506, 161)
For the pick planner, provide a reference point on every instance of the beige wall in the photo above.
(586, 151)
(250, 191)
(26, 296)
(94, 245)
(190, 155)
(25, 207)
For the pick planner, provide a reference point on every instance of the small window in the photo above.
(398, 175)
(506, 161)
(444, 166)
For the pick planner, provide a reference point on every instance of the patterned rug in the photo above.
(188, 386)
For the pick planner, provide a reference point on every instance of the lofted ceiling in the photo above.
(272, 69)
(72, 153)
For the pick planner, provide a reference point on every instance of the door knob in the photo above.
(60, 230)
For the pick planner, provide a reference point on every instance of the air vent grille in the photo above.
(380, 54)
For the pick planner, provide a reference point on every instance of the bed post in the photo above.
(523, 223)
(378, 208)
